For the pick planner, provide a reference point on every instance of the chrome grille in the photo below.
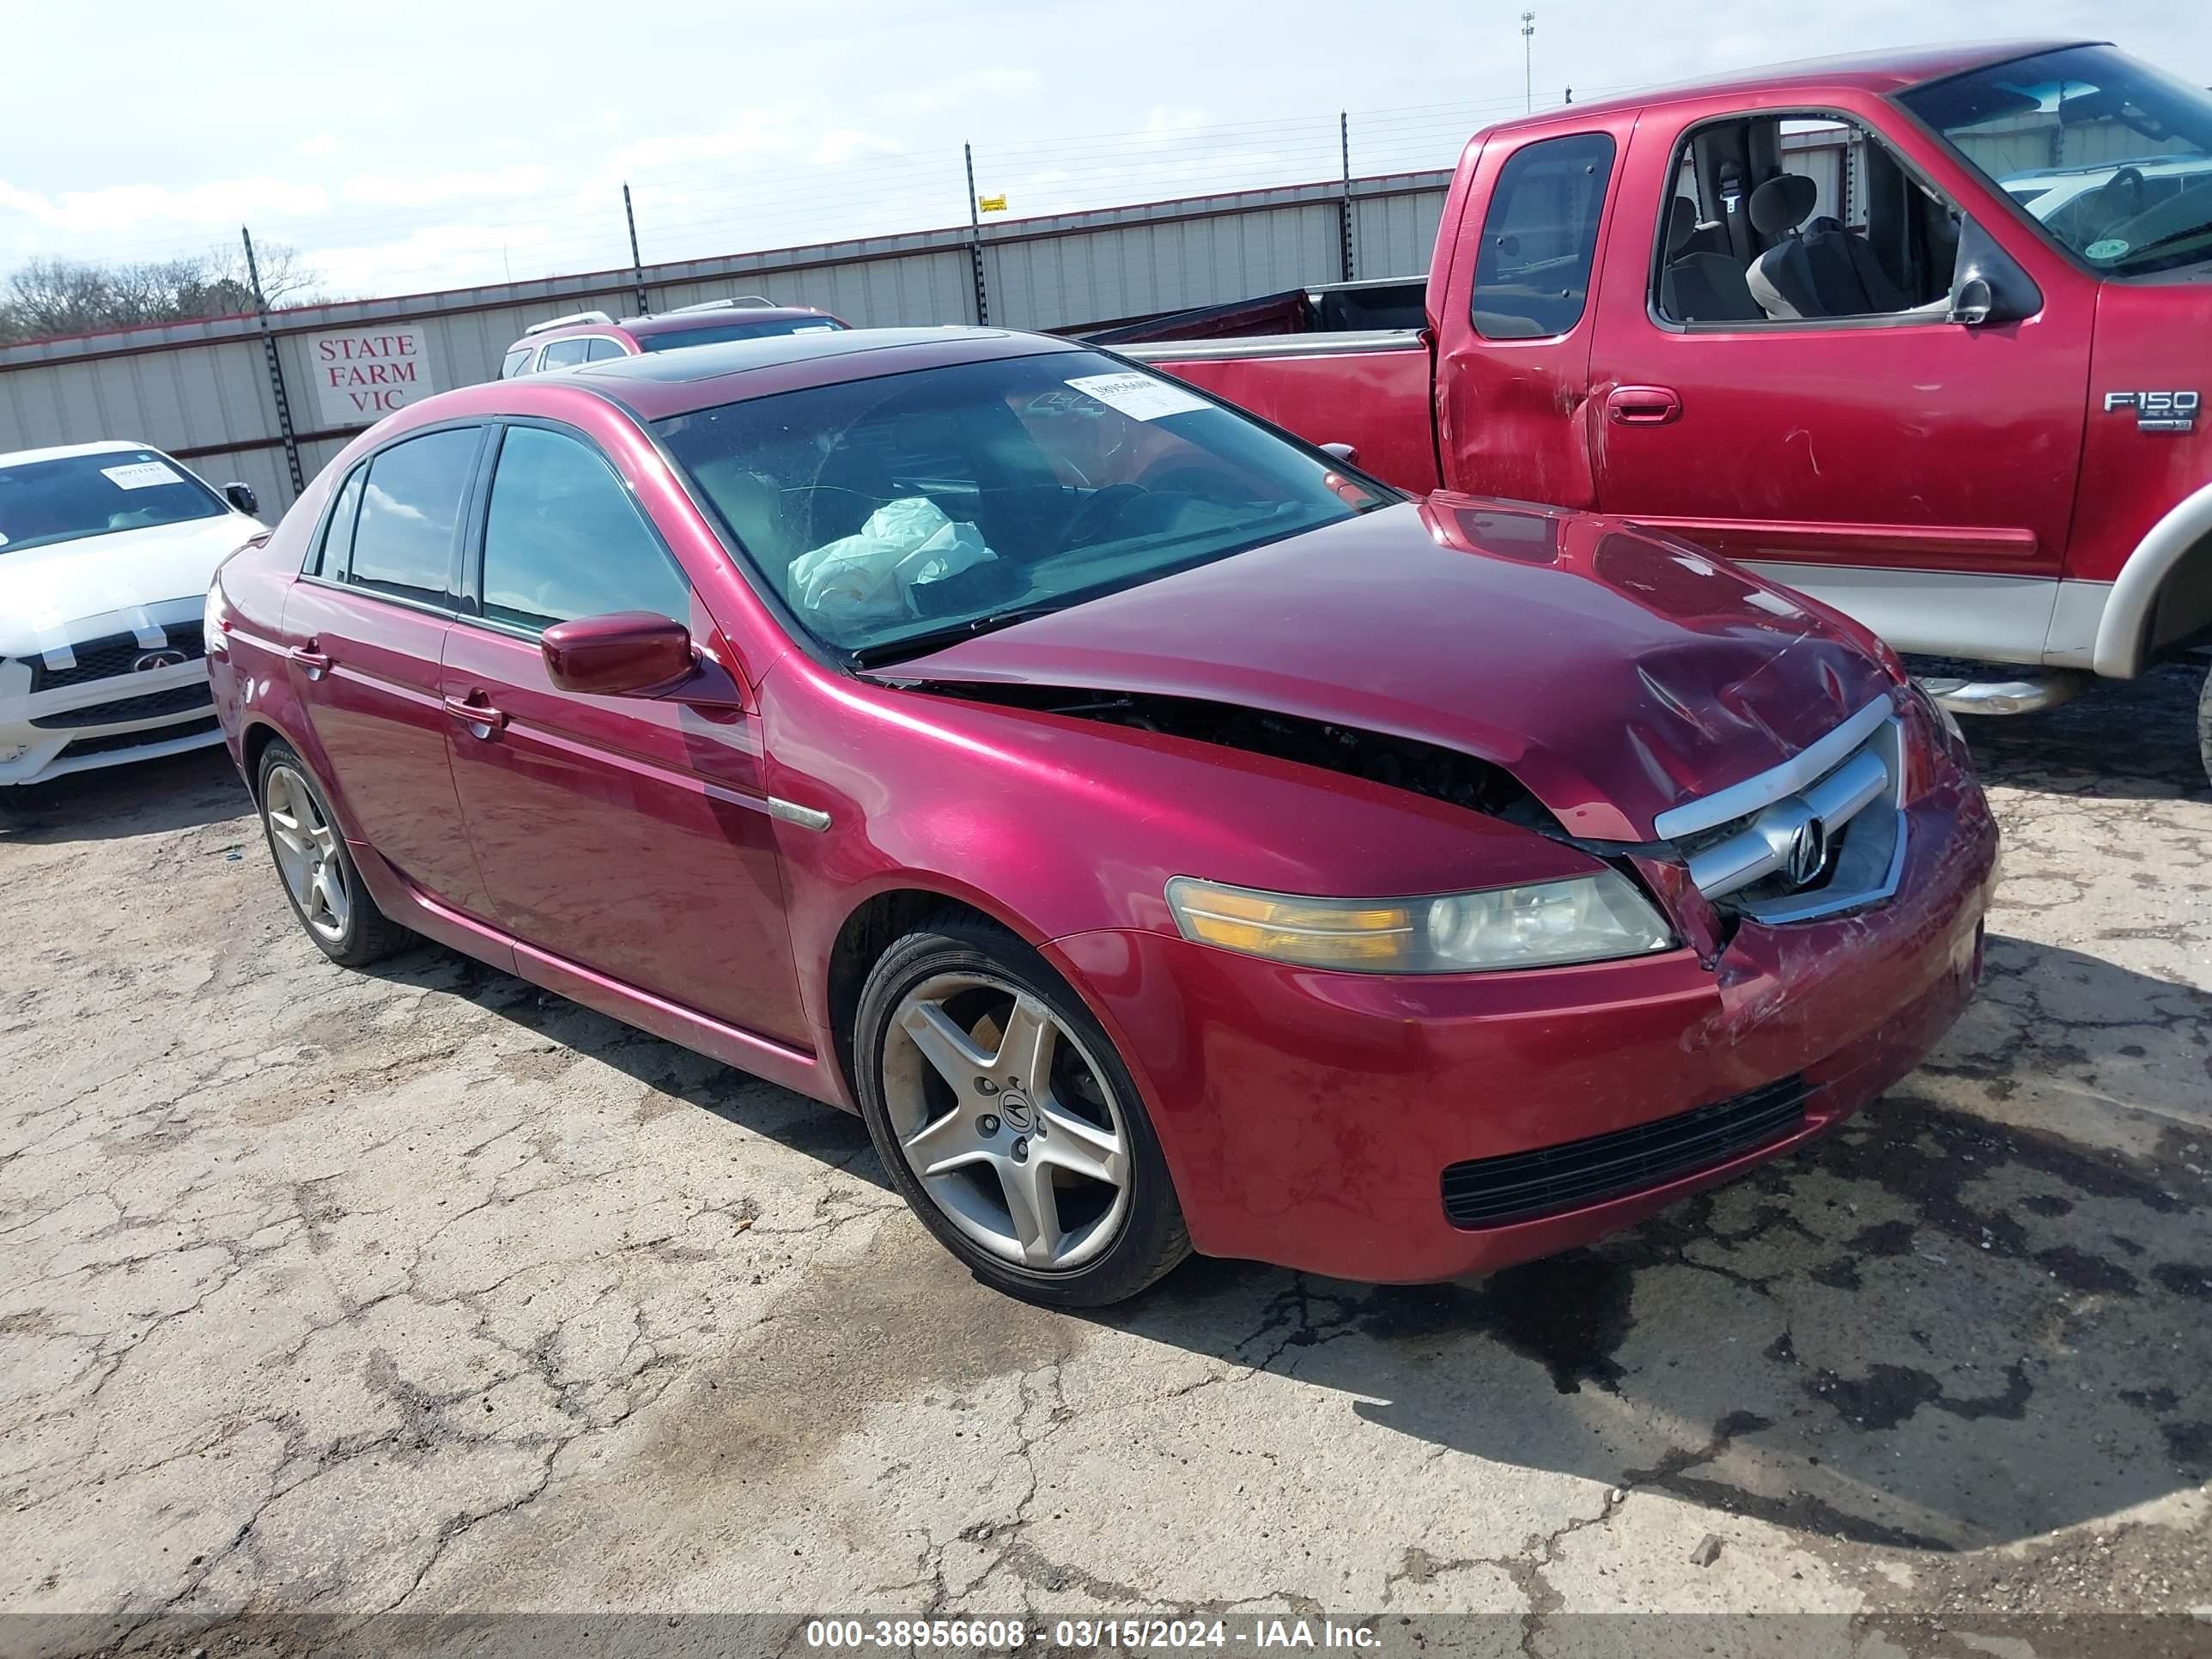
(1822, 832)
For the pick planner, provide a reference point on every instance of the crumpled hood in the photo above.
(1614, 673)
(74, 591)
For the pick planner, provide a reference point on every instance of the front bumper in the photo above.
(1309, 1117)
(89, 705)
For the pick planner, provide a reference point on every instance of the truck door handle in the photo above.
(481, 718)
(312, 663)
(1644, 405)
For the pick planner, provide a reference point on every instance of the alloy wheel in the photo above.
(1006, 1120)
(307, 849)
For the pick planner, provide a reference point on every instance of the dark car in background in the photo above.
(592, 336)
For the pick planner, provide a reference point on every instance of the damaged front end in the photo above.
(1407, 764)
(1819, 835)
(1659, 869)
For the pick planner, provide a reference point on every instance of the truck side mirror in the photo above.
(1987, 284)
(242, 497)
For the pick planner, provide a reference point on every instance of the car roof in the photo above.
(62, 452)
(1882, 73)
(665, 382)
(658, 385)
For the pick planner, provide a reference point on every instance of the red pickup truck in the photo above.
(1953, 387)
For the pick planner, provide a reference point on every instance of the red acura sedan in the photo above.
(1165, 837)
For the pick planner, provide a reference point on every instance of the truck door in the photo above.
(1779, 378)
(1515, 324)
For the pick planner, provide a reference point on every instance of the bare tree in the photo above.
(49, 296)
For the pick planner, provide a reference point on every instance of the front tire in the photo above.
(2204, 724)
(1005, 1119)
(319, 878)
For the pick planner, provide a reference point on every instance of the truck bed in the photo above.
(1388, 303)
(1348, 363)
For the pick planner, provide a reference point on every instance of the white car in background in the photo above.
(107, 550)
(2081, 203)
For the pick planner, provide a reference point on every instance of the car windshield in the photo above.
(760, 328)
(71, 497)
(900, 512)
(2112, 157)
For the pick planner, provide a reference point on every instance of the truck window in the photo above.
(2111, 158)
(1538, 237)
(1800, 218)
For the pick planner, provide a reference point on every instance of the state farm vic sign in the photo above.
(363, 375)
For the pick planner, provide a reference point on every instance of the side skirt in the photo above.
(1942, 613)
(405, 903)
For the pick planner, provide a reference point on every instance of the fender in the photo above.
(2123, 633)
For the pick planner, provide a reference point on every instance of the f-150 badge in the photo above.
(2157, 411)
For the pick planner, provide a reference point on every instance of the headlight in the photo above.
(1586, 919)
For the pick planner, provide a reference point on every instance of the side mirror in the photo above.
(624, 654)
(1987, 285)
(1972, 302)
(242, 497)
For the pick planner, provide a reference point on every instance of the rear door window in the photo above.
(1539, 237)
(330, 554)
(602, 348)
(564, 539)
(565, 353)
(404, 541)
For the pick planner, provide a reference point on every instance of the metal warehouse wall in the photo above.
(202, 392)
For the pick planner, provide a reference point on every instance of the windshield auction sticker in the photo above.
(140, 475)
(1139, 397)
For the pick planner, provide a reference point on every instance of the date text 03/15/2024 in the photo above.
(1126, 1634)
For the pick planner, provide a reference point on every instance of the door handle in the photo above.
(1644, 405)
(312, 663)
(1342, 451)
(481, 718)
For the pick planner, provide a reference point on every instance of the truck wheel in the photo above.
(2204, 724)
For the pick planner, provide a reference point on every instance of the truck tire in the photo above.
(2204, 724)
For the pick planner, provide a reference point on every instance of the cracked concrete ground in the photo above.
(423, 1289)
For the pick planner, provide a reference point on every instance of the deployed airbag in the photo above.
(871, 576)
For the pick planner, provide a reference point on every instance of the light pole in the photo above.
(1527, 60)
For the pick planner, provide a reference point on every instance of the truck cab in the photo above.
(1810, 317)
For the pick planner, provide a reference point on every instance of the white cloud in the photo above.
(840, 144)
(157, 208)
(424, 190)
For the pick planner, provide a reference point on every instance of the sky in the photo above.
(403, 147)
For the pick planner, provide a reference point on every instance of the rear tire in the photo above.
(319, 878)
(1005, 1119)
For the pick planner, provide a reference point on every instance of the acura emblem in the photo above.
(147, 663)
(1809, 852)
